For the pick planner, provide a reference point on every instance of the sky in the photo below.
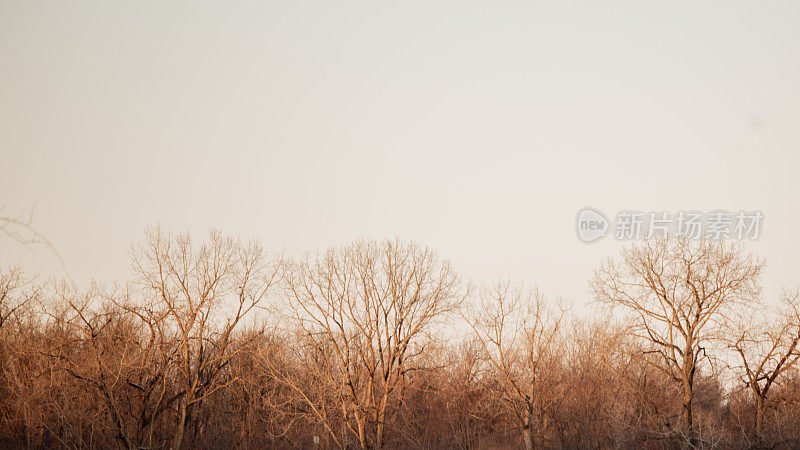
(476, 128)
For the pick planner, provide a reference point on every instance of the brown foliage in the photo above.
(363, 350)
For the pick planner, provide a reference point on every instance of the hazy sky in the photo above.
(477, 128)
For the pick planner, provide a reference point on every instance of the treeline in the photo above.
(383, 345)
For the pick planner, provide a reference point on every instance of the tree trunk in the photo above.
(177, 440)
(688, 394)
(527, 437)
(527, 427)
(688, 420)
(362, 434)
(759, 416)
(381, 418)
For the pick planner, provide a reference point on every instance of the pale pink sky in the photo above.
(476, 128)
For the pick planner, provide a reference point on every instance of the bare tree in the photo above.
(519, 334)
(16, 291)
(767, 349)
(267, 412)
(204, 294)
(676, 293)
(122, 354)
(368, 310)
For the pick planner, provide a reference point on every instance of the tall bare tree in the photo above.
(519, 334)
(368, 309)
(766, 349)
(676, 293)
(204, 294)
